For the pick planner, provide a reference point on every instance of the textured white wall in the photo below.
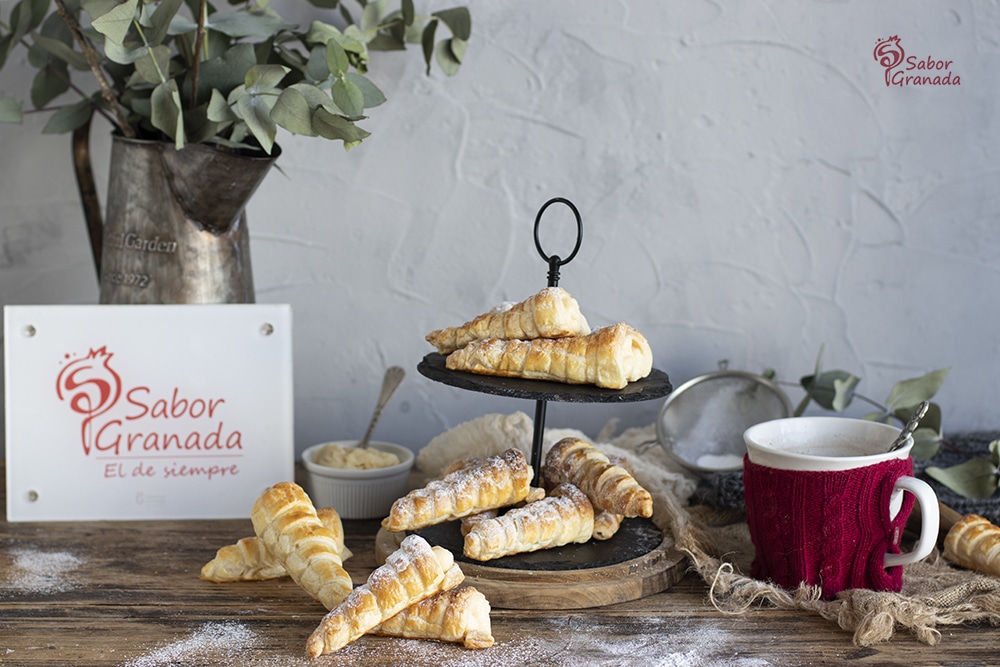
(750, 189)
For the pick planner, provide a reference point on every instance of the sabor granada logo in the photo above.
(116, 421)
(904, 70)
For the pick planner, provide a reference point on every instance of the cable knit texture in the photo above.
(829, 529)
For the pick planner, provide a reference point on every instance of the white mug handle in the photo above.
(929, 521)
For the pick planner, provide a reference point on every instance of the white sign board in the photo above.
(146, 412)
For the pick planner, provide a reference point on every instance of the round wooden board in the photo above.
(507, 588)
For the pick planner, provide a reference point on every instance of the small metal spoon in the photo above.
(910, 427)
(393, 377)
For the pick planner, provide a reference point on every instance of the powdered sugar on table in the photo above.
(40, 572)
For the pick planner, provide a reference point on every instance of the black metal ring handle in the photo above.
(555, 261)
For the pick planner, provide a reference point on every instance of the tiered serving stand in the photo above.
(638, 561)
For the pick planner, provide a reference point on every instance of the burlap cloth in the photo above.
(710, 529)
(705, 518)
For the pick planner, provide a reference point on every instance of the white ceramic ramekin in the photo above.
(358, 494)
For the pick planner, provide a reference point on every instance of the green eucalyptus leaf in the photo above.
(458, 48)
(262, 78)
(926, 443)
(181, 24)
(995, 452)
(909, 393)
(316, 69)
(458, 20)
(69, 118)
(392, 41)
(832, 390)
(114, 24)
(167, 112)
(6, 42)
(62, 51)
(975, 478)
(414, 31)
(198, 127)
(227, 71)
(253, 105)
(427, 43)
(153, 67)
(218, 109)
(371, 15)
(321, 33)
(348, 97)
(334, 127)
(316, 98)
(49, 83)
(406, 6)
(881, 417)
(98, 8)
(27, 15)
(346, 13)
(160, 20)
(125, 54)
(10, 110)
(336, 59)
(370, 93)
(243, 23)
(446, 59)
(293, 112)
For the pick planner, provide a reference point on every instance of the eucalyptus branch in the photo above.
(94, 60)
(198, 41)
(65, 79)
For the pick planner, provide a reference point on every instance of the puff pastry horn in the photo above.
(410, 574)
(974, 543)
(609, 358)
(493, 481)
(249, 559)
(551, 313)
(606, 524)
(460, 615)
(608, 486)
(563, 517)
(286, 522)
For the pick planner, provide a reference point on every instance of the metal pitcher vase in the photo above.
(176, 228)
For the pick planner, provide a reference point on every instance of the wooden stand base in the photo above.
(575, 588)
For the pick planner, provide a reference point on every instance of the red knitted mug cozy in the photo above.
(826, 528)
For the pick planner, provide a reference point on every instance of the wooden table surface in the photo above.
(128, 594)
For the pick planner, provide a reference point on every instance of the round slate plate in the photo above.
(655, 385)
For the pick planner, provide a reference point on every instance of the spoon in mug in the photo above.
(910, 427)
(393, 377)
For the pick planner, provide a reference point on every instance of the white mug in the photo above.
(833, 444)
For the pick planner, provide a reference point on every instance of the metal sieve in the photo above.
(701, 423)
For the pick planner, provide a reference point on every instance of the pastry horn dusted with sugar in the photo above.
(563, 517)
(459, 615)
(608, 486)
(249, 560)
(974, 543)
(410, 574)
(286, 522)
(551, 313)
(610, 357)
(493, 481)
